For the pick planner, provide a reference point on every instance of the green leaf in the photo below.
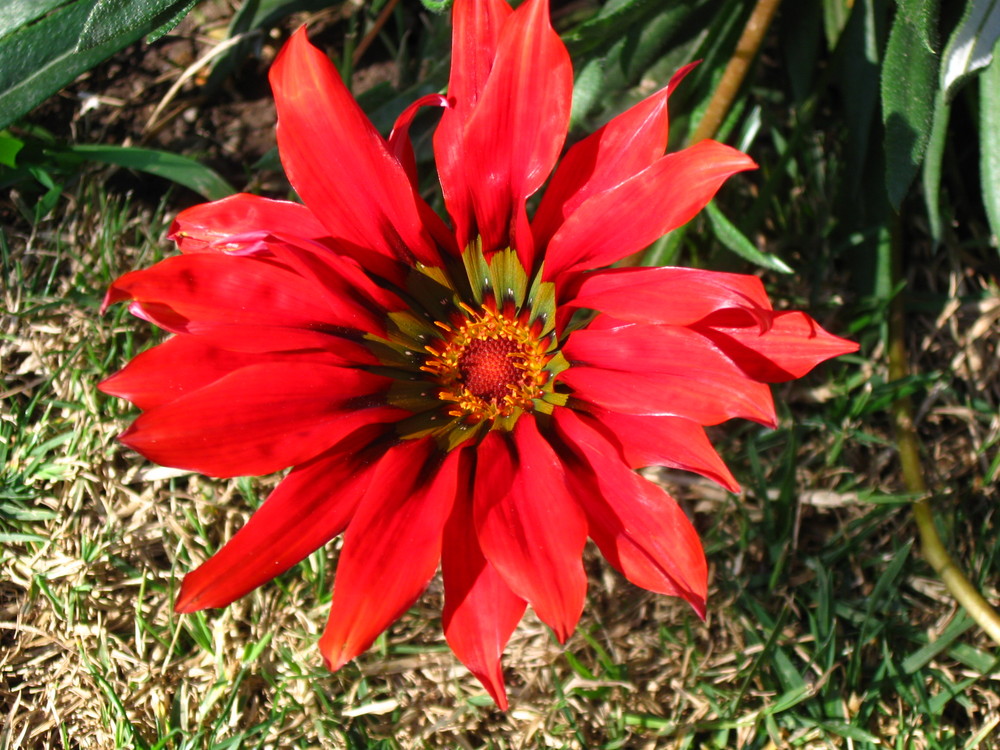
(909, 85)
(39, 59)
(171, 21)
(9, 147)
(14, 538)
(932, 164)
(842, 729)
(586, 90)
(923, 655)
(874, 614)
(179, 169)
(17, 13)
(729, 235)
(801, 35)
(109, 20)
(970, 47)
(614, 20)
(835, 15)
(856, 75)
(666, 250)
(989, 143)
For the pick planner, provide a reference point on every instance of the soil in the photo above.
(226, 122)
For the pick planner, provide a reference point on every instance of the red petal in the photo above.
(623, 220)
(662, 370)
(476, 28)
(792, 346)
(259, 419)
(529, 526)
(391, 547)
(624, 147)
(514, 137)
(309, 508)
(677, 296)
(399, 139)
(659, 395)
(638, 527)
(184, 364)
(667, 441)
(480, 610)
(245, 303)
(342, 168)
(207, 227)
(359, 303)
(277, 230)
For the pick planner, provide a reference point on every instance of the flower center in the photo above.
(489, 366)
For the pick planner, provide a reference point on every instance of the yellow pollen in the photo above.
(490, 366)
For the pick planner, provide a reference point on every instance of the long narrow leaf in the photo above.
(970, 47)
(17, 13)
(112, 19)
(909, 84)
(728, 234)
(932, 163)
(39, 59)
(179, 169)
(989, 142)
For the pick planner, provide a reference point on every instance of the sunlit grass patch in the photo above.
(824, 627)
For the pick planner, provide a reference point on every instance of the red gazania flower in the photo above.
(475, 397)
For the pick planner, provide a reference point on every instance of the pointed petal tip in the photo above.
(293, 47)
(497, 691)
(125, 437)
(699, 605)
(491, 678)
(112, 296)
(847, 346)
(562, 634)
(189, 598)
(334, 655)
(564, 628)
(720, 155)
(330, 666)
(106, 385)
(183, 607)
(730, 484)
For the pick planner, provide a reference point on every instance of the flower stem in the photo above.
(745, 52)
(374, 31)
(913, 477)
